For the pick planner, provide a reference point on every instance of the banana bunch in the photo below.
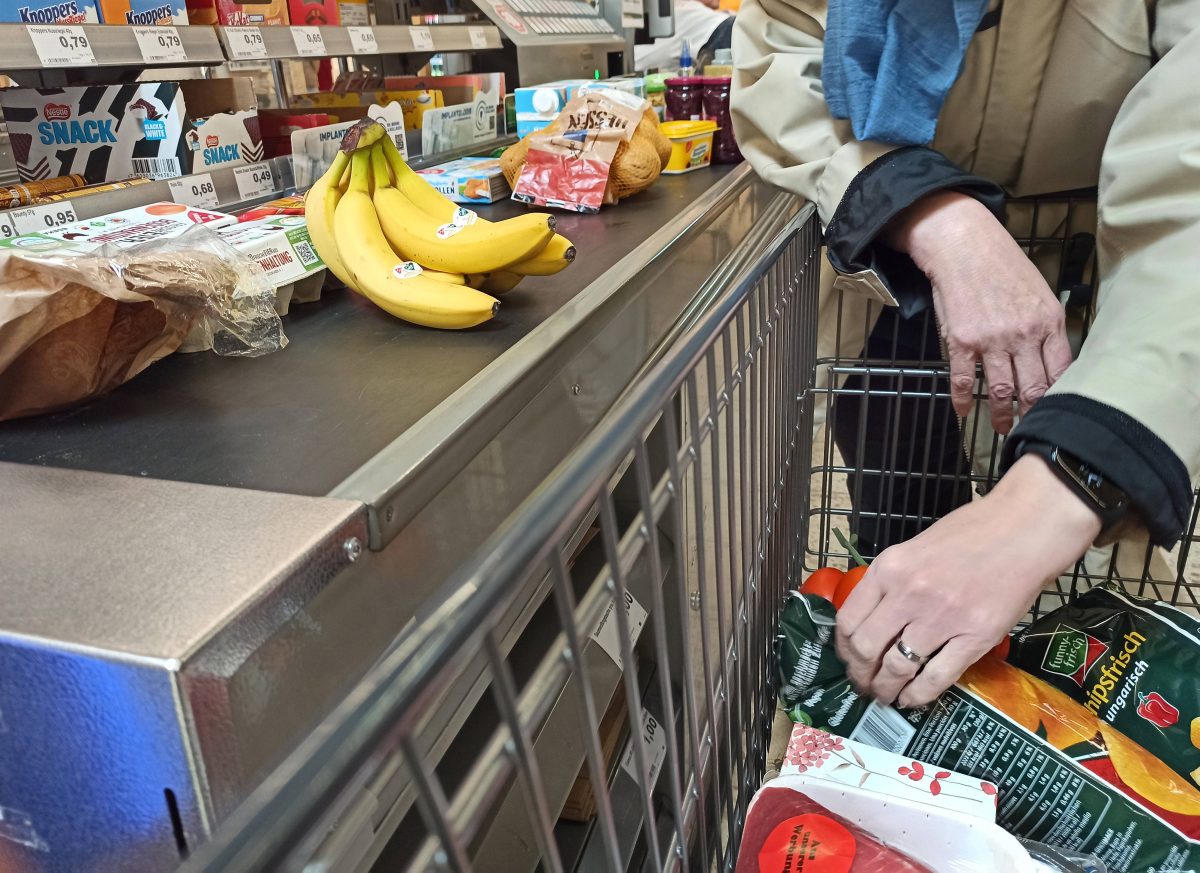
(389, 235)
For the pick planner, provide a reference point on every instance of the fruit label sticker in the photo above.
(464, 217)
(448, 230)
(407, 270)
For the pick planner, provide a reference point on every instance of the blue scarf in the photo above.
(889, 64)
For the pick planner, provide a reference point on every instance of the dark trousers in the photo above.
(906, 439)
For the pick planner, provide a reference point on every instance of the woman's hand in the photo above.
(957, 588)
(992, 303)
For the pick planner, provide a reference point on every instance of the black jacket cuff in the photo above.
(1123, 449)
(885, 187)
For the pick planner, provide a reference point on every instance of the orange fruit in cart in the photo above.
(823, 583)
(847, 583)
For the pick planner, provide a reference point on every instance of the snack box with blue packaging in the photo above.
(49, 12)
(469, 180)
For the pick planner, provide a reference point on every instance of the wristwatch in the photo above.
(1103, 496)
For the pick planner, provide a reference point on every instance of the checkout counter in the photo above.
(197, 568)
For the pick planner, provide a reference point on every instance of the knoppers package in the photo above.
(155, 129)
(1072, 772)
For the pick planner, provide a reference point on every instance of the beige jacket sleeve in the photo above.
(1142, 354)
(783, 126)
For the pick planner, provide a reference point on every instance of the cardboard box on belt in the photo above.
(155, 129)
(143, 12)
(49, 12)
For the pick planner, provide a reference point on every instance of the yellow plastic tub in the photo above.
(691, 144)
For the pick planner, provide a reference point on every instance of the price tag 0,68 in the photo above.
(245, 43)
(363, 41)
(34, 219)
(197, 190)
(422, 38)
(254, 180)
(61, 46)
(160, 45)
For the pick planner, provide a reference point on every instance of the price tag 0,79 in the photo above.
(160, 45)
(197, 190)
(61, 45)
(363, 41)
(309, 41)
(245, 43)
(34, 219)
(422, 38)
(255, 180)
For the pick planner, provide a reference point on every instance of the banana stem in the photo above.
(360, 173)
(383, 176)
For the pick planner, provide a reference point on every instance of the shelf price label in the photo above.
(607, 633)
(654, 737)
(363, 41)
(160, 45)
(245, 43)
(309, 42)
(8, 226)
(34, 219)
(254, 180)
(478, 37)
(422, 38)
(61, 46)
(198, 191)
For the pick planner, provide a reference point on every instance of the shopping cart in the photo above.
(629, 725)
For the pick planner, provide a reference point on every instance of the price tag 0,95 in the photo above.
(61, 45)
(8, 226)
(34, 219)
(422, 38)
(478, 37)
(362, 40)
(254, 180)
(197, 190)
(160, 45)
(245, 43)
(309, 42)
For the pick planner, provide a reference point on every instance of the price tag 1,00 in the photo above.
(254, 180)
(422, 38)
(245, 43)
(160, 45)
(197, 190)
(61, 46)
(363, 41)
(654, 739)
(34, 219)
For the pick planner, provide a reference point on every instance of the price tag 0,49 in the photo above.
(478, 37)
(160, 45)
(422, 38)
(61, 46)
(197, 190)
(245, 43)
(362, 40)
(34, 219)
(309, 42)
(254, 180)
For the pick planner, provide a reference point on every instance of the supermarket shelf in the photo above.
(289, 42)
(112, 47)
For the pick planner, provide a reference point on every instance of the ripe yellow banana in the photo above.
(399, 288)
(319, 204)
(499, 282)
(555, 256)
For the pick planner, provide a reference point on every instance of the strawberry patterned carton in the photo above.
(820, 755)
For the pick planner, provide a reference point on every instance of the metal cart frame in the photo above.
(696, 501)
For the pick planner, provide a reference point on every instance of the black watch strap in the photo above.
(1103, 496)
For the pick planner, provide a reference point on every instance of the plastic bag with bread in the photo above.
(605, 145)
(75, 325)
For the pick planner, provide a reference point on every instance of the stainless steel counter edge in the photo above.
(378, 482)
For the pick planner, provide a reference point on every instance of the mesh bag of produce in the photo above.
(1071, 773)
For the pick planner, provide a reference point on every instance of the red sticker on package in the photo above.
(812, 842)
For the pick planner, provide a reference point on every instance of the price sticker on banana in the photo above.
(463, 217)
(363, 41)
(61, 46)
(34, 219)
(160, 45)
(245, 43)
(197, 190)
(407, 270)
(254, 180)
(422, 38)
(448, 230)
(478, 37)
(309, 41)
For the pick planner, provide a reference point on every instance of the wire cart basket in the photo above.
(628, 726)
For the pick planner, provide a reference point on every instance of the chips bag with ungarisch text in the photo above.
(1067, 777)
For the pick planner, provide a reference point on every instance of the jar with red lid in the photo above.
(715, 101)
(685, 98)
